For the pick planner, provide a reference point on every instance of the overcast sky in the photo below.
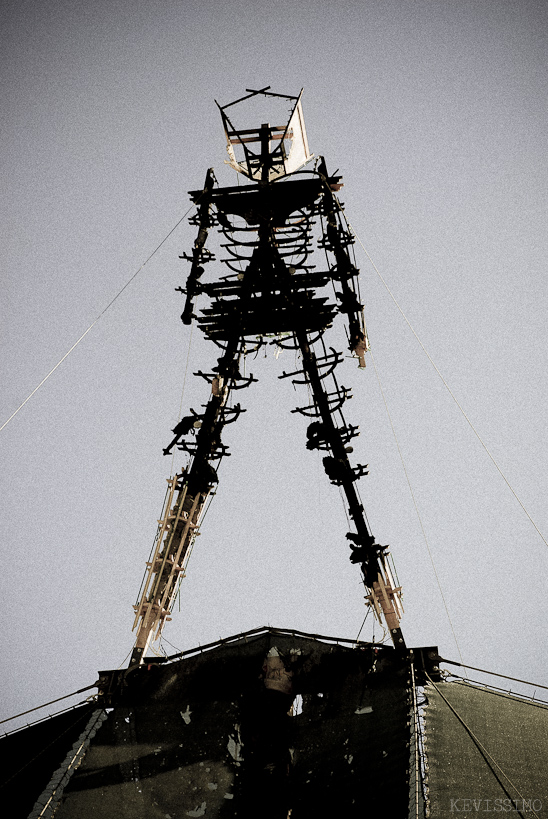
(435, 114)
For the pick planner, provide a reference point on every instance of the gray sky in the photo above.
(435, 113)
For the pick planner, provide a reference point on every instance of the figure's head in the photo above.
(267, 152)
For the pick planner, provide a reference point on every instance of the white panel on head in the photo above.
(299, 153)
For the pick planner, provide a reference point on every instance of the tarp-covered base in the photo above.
(254, 728)
(486, 752)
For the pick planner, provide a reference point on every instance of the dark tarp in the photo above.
(207, 736)
(351, 750)
(486, 752)
(30, 756)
